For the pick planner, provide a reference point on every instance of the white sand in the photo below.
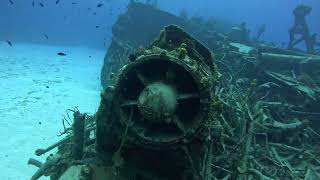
(25, 71)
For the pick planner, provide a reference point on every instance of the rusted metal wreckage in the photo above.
(168, 113)
(153, 123)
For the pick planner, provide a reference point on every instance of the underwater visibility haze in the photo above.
(159, 89)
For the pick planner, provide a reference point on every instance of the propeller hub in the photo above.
(157, 102)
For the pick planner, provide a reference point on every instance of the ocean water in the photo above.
(37, 84)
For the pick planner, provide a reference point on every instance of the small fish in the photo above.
(97, 26)
(46, 36)
(74, 3)
(100, 5)
(9, 42)
(94, 13)
(61, 54)
(32, 3)
(57, 1)
(41, 4)
(11, 2)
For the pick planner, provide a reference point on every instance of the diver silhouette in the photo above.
(300, 27)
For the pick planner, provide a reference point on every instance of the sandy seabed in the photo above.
(36, 88)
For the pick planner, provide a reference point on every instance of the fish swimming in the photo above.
(100, 5)
(57, 1)
(33, 3)
(46, 36)
(61, 54)
(10, 43)
(11, 2)
(41, 4)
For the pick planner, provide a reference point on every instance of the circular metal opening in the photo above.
(162, 99)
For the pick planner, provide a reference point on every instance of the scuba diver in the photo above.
(300, 27)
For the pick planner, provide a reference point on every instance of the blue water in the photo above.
(67, 23)
(276, 14)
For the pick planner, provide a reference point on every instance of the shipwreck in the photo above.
(189, 102)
